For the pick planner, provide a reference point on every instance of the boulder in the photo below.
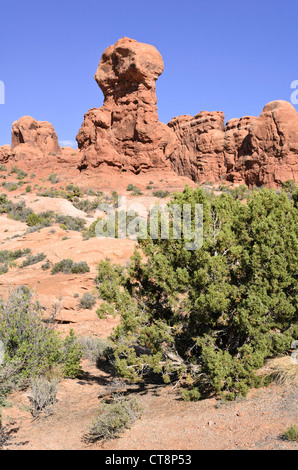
(38, 135)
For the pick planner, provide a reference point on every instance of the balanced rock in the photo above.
(125, 132)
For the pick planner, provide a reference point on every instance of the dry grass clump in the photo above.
(284, 371)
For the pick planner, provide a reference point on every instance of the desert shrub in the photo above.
(86, 205)
(71, 223)
(63, 266)
(31, 344)
(15, 211)
(28, 189)
(87, 301)
(106, 309)
(53, 178)
(46, 266)
(135, 190)
(67, 266)
(95, 349)
(32, 220)
(33, 259)
(20, 173)
(108, 279)
(42, 396)
(80, 268)
(209, 318)
(160, 193)
(291, 434)
(10, 185)
(7, 258)
(113, 418)
(289, 186)
(3, 167)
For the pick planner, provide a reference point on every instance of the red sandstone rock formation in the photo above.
(125, 132)
(33, 138)
(200, 147)
(255, 151)
(5, 153)
(269, 153)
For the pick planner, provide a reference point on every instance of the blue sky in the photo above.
(232, 56)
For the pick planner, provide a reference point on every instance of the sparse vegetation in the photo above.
(42, 396)
(31, 345)
(71, 223)
(53, 178)
(8, 258)
(291, 434)
(113, 418)
(33, 259)
(95, 349)
(160, 193)
(87, 301)
(67, 266)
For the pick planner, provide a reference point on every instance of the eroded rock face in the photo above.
(125, 132)
(269, 153)
(37, 136)
(5, 153)
(199, 152)
(255, 151)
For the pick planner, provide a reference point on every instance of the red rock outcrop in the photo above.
(5, 153)
(200, 147)
(35, 138)
(255, 151)
(269, 153)
(125, 132)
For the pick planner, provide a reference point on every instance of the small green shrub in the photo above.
(291, 434)
(67, 266)
(71, 223)
(63, 266)
(10, 186)
(31, 344)
(33, 220)
(95, 349)
(160, 193)
(53, 178)
(135, 190)
(46, 266)
(87, 301)
(42, 396)
(113, 418)
(33, 259)
(80, 268)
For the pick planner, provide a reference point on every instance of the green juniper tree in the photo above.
(209, 318)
